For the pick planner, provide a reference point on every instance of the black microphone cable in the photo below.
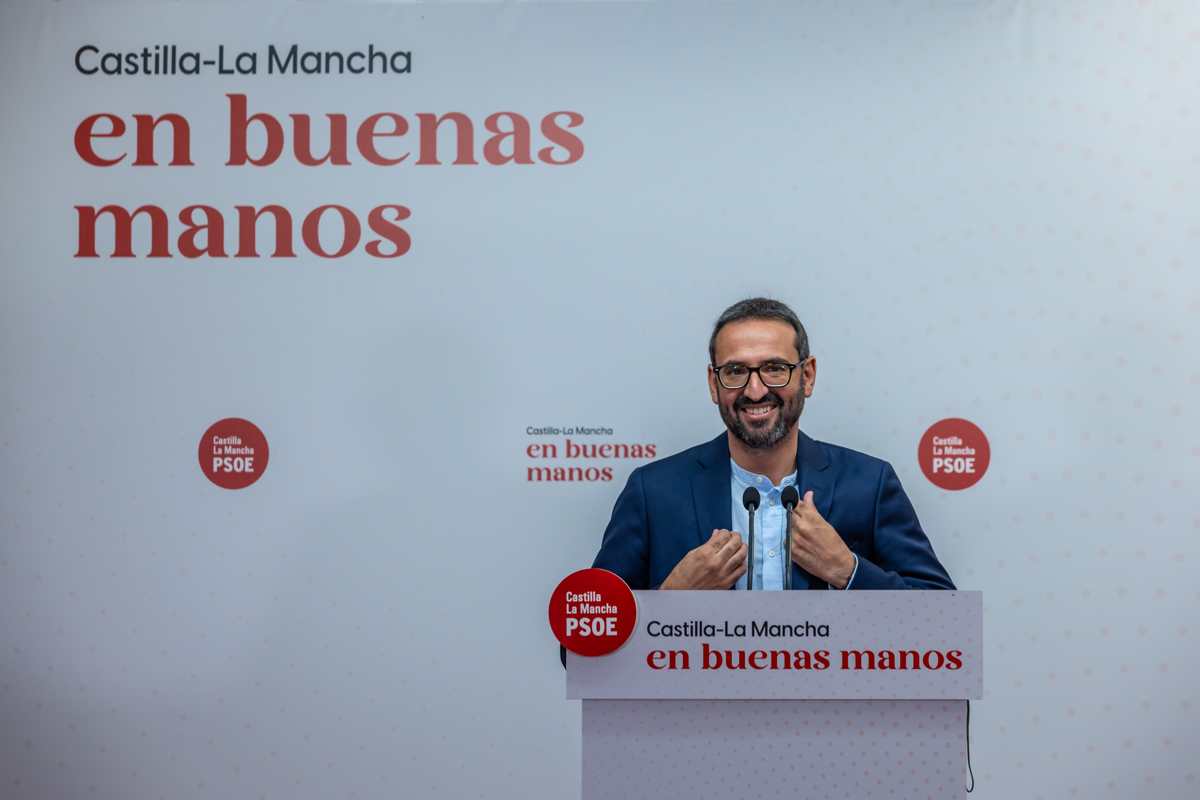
(970, 771)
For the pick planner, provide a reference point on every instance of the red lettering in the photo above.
(675, 659)
(464, 138)
(389, 230)
(310, 231)
(238, 126)
(213, 228)
(569, 142)
(521, 147)
(302, 143)
(367, 133)
(181, 136)
(86, 132)
(122, 230)
(248, 231)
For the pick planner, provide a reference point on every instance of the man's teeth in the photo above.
(757, 411)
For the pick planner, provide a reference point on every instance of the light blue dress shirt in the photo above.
(770, 556)
(770, 526)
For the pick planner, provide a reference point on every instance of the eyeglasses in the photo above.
(773, 374)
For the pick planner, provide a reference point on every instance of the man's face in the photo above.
(760, 416)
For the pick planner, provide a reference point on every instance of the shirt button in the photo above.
(771, 553)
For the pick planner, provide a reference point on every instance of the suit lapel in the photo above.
(812, 474)
(710, 489)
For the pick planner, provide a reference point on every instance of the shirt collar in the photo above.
(746, 478)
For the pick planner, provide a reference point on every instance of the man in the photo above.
(680, 523)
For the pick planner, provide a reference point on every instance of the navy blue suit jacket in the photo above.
(671, 506)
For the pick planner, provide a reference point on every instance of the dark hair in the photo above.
(759, 308)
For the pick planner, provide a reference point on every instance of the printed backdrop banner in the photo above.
(331, 333)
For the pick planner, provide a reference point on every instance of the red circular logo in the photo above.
(233, 453)
(592, 612)
(954, 453)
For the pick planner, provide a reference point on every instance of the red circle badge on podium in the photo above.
(593, 612)
(233, 453)
(954, 453)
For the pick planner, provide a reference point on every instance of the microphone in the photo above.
(751, 500)
(790, 499)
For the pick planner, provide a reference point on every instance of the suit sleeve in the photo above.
(625, 547)
(902, 557)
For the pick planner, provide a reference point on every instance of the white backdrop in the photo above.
(980, 209)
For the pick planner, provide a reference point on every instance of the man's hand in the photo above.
(816, 546)
(716, 564)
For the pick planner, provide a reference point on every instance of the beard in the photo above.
(763, 437)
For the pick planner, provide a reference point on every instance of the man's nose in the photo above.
(755, 390)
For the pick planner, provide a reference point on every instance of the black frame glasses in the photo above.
(756, 371)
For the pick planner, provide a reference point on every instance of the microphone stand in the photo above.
(790, 499)
(750, 499)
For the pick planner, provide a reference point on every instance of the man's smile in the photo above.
(757, 411)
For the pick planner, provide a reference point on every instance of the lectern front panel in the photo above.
(689, 750)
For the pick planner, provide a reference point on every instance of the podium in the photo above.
(783, 694)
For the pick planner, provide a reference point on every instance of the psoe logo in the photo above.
(233, 453)
(954, 454)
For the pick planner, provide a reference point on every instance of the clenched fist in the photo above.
(716, 564)
(816, 546)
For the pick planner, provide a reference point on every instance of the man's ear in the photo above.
(713, 389)
(810, 376)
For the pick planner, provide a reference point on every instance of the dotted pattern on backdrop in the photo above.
(703, 750)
